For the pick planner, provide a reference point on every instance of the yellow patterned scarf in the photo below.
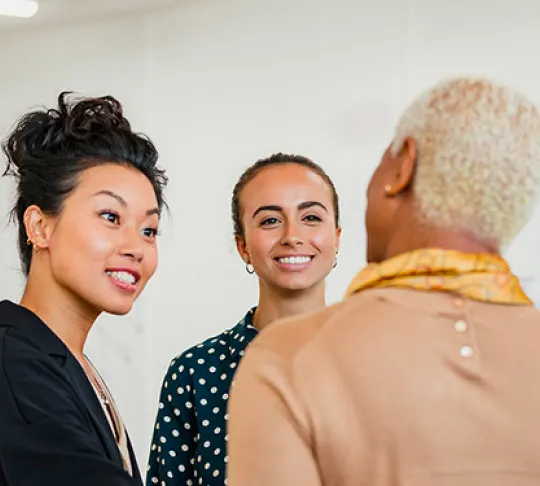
(482, 277)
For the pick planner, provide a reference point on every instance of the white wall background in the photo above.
(219, 84)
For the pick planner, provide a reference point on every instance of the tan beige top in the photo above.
(391, 387)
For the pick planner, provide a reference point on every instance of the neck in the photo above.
(63, 313)
(276, 304)
(409, 237)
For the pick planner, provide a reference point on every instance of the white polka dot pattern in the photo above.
(189, 446)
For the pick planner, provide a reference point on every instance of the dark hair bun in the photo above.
(55, 132)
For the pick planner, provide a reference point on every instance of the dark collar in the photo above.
(32, 327)
(247, 321)
(242, 334)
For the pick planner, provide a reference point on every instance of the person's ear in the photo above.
(242, 249)
(403, 168)
(39, 227)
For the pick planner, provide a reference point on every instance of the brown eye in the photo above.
(150, 232)
(269, 221)
(110, 216)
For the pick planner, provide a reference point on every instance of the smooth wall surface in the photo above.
(218, 85)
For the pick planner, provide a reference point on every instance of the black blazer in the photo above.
(53, 431)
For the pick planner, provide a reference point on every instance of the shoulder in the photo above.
(19, 353)
(289, 336)
(29, 349)
(368, 316)
(32, 382)
(215, 348)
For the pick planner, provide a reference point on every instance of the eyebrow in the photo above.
(122, 201)
(301, 206)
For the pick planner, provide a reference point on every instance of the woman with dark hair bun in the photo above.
(88, 206)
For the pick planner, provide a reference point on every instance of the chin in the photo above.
(297, 284)
(98, 300)
(118, 309)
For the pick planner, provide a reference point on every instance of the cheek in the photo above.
(99, 246)
(80, 244)
(150, 261)
(260, 242)
(99, 243)
(325, 240)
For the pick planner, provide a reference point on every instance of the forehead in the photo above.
(286, 185)
(127, 182)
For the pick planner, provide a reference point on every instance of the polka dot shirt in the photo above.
(189, 446)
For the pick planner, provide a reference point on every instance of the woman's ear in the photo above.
(38, 226)
(241, 247)
(338, 238)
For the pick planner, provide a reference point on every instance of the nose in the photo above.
(132, 247)
(292, 236)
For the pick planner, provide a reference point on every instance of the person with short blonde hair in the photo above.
(424, 374)
(479, 148)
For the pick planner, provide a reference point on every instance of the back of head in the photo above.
(48, 149)
(478, 166)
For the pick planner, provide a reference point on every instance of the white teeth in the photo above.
(299, 260)
(125, 277)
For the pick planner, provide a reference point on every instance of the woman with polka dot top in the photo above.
(286, 223)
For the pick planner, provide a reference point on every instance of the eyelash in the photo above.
(154, 231)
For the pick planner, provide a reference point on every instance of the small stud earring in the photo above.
(388, 188)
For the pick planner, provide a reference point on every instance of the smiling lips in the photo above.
(124, 278)
(293, 263)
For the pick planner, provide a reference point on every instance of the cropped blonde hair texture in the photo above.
(478, 167)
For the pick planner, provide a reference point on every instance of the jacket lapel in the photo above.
(95, 411)
(133, 458)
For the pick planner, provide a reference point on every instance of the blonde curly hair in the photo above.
(478, 167)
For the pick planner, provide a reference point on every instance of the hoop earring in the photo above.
(249, 268)
(335, 262)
